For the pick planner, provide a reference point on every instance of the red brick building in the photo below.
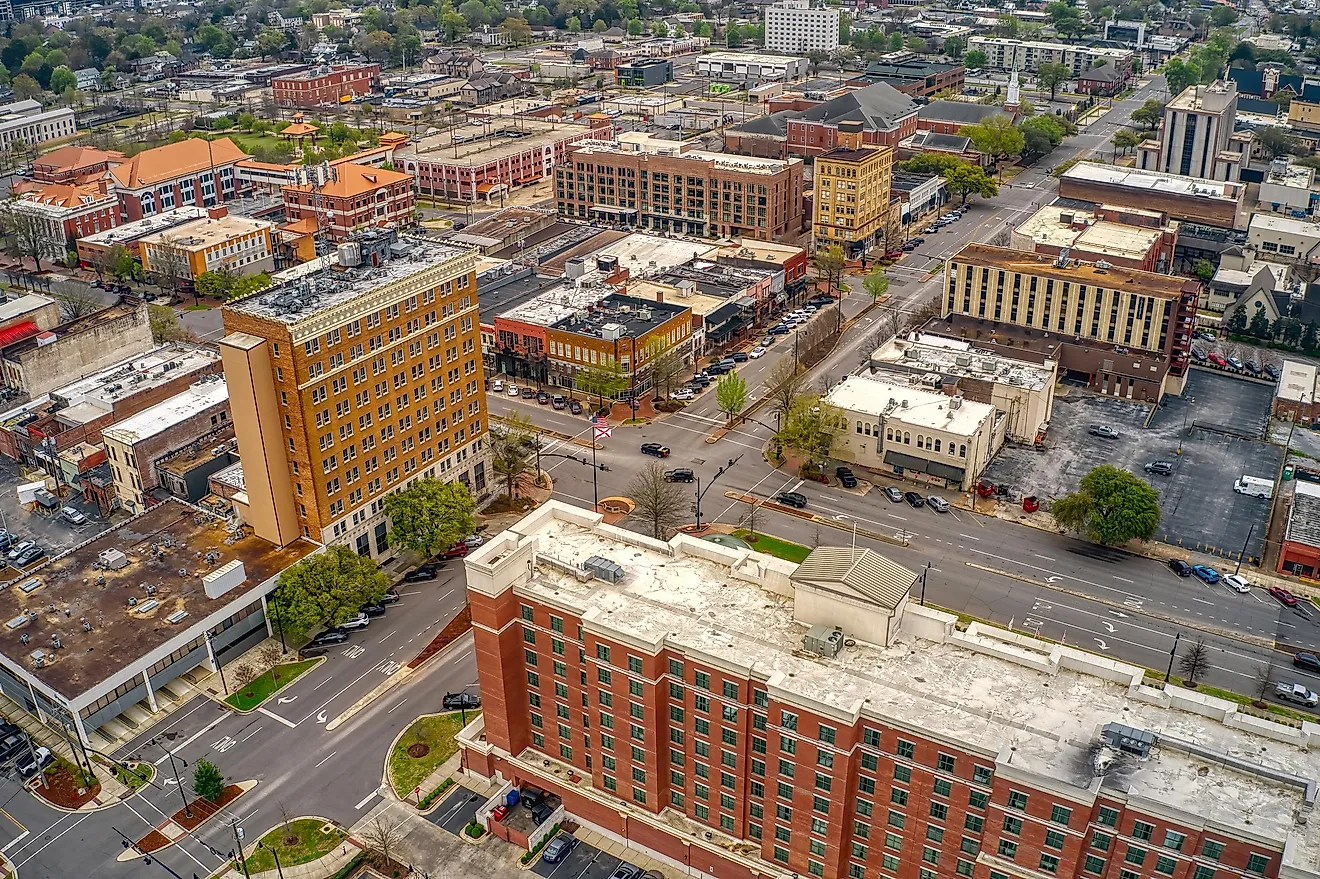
(1299, 552)
(65, 212)
(325, 86)
(74, 164)
(190, 172)
(358, 197)
(808, 128)
(731, 714)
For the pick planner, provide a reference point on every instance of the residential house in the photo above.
(489, 88)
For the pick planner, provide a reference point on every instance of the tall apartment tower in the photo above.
(1196, 135)
(350, 380)
(853, 184)
(797, 26)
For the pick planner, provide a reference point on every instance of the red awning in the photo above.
(17, 333)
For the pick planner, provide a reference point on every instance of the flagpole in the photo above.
(595, 496)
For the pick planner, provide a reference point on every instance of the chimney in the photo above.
(850, 135)
(217, 212)
(659, 296)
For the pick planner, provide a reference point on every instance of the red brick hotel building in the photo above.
(687, 697)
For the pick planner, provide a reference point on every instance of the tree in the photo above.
(783, 385)
(829, 264)
(953, 47)
(271, 41)
(1310, 337)
(1259, 326)
(1264, 684)
(1204, 269)
(1276, 141)
(930, 163)
(326, 588)
(165, 326)
(1237, 321)
(243, 674)
(208, 783)
(664, 362)
(518, 29)
(382, 837)
(76, 302)
(1126, 139)
(1223, 16)
(1194, 660)
(429, 516)
(968, 179)
(1051, 75)
(810, 427)
(1041, 134)
(660, 503)
(26, 88)
(169, 263)
(214, 284)
(604, 380)
(731, 394)
(995, 138)
(1111, 507)
(975, 59)
(511, 452)
(1149, 113)
(1181, 75)
(877, 284)
(815, 58)
(62, 79)
(896, 41)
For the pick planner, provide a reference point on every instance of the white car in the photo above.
(497, 386)
(474, 540)
(682, 394)
(513, 390)
(359, 620)
(1237, 583)
(756, 352)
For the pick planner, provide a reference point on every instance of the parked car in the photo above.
(7, 540)
(914, 499)
(558, 848)
(820, 300)
(330, 636)
(12, 745)
(1252, 367)
(20, 548)
(574, 407)
(1180, 567)
(894, 495)
(1199, 355)
(29, 555)
(682, 474)
(1283, 596)
(497, 386)
(422, 574)
(373, 610)
(683, 394)
(779, 330)
(1235, 363)
(390, 597)
(1104, 431)
(457, 551)
(72, 516)
(757, 353)
(1308, 661)
(738, 357)
(1297, 694)
(626, 870)
(1272, 371)
(455, 701)
(794, 499)
(559, 401)
(529, 393)
(1160, 468)
(1206, 574)
(655, 449)
(473, 541)
(938, 504)
(719, 369)
(358, 620)
(1237, 583)
(846, 477)
(32, 762)
(1217, 359)
(543, 398)
(513, 391)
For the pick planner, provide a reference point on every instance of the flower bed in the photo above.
(201, 810)
(63, 785)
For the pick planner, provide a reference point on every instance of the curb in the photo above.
(388, 785)
(248, 849)
(245, 711)
(765, 504)
(129, 854)
(393, 681)
(566, 437)
(7, 864)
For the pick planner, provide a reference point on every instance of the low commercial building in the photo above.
(1295, 396)
(64, 212)
(135, 444)
(1284, 239)
(750, 69)
(186, 472)
(1215, 204)
(92, 248)
(355, 197)
(1289, 189)
(645, 73)
(55, 357)
(625, 330)
(948, 117)
(1244, 279)
(1026, 56)
(919, 433)
(772, 255)
(504, 229)
(1126, 333)
(1299, 551)
(1022, 390)
(25, 122)
(852, 193)
(918, 195)
(810, 128)
(219, 242)
(173, 590)
(325, 86)
(1126, 237)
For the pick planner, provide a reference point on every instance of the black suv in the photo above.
(655, 449)
(1308, 661)
(794, 499)
(914, 499)
(1160, 468)
(846, 477)
(422, 574)
(1180, 567)
(682, 474)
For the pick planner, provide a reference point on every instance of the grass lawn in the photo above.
(252, 695)
(784, 549)
(437, 734)
(308, 844)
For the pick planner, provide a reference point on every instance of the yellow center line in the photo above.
(12, 818)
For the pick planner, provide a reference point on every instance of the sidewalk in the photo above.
(112, 790)
(326, 865)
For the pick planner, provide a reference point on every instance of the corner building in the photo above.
(352, 377)
(666, 694)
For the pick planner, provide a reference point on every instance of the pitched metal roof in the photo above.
(867, 573)
(962, 112)
(878, 107)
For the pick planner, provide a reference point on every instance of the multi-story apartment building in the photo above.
(797, 26)
(735, 715)
(356, 197)
(1196, 135)
(326, 86)
(65, 212)
(852, 193)
(353, 379)
(1027, 56)
(695, 192)
(219, 242)
(190, 172)
(1126, 331)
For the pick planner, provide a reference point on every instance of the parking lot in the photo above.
(1199, 508)
(583, 862)
(457, 810)
(52, 533)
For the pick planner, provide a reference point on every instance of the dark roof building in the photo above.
(887, 116)
(918, 79)
(946, 117)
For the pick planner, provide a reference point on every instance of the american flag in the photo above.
(603, 429)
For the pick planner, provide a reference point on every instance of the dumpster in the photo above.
(511, 798)
(1031, 503)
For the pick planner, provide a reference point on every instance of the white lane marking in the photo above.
(250, 735)
(1124, 579)
(391, 711)
(969, 537)
(1045, 557)
(17, 839)
(386, 638)
(194, 737)
(53, 839)
(362, 802)
(1202, 601)
(273, 716)
(325, 758)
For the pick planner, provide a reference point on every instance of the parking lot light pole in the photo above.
(187, 809)
(274, 854)
(220, 666)
(1250, 531)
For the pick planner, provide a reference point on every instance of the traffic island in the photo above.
(180, 823)
(66, 786)
(301, 841)
(251, 695)
(780, 549)
(421, 748)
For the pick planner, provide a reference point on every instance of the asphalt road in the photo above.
(301, 767)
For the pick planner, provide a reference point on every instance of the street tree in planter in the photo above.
(829, 263)
(810, 427)
(208, 783)
(429, 516)
(602, 380)
(1195, 660)
(660, 503)
(326, 589)
(1111, 506)
(731, 394)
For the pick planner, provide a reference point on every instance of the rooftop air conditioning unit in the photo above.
(823, 640)
(1128, 739)
(603, 569)
(112, 559)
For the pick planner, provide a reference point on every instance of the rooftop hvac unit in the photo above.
(930, 380)
(1128, 739)
(350, 254)
(823, 640)
(611, 332)
(112, 559)
(39, 658)
(603, 569)
(988, 364)
(27, 587)
(177, 617)
(911, 354)
(955, 403)
(145, 607)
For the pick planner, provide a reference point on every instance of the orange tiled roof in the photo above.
(174, 160)
(65, 195)
(299, 129)
(266, 166)
(305, 226)
(355, 180)
(70, 157)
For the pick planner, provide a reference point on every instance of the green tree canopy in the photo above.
(975, 59)
(968, 179)
(62, 79)
(1149, 113)
(1126, 139)
(953, 47)
(430, 516)
(1180, 75)
(877, 284)
(731, 394)
(1111, 507)
(1051, 75)
(208, 783)
(325, 589)
(995, 138)
(810, 426)
(829, 263)
(602, 380)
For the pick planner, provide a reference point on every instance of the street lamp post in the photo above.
(276, 855)
(1250, 531)
(923, 583)
(146, 858)
(219, 666)
(187, 810)
(702, 492)
(1177, 636)
(238, 840)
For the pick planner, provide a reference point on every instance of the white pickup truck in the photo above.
(1296, 693)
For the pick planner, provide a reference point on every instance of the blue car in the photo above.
(1206, 573)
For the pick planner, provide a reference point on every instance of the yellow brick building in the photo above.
(852, 184)
(219, 242)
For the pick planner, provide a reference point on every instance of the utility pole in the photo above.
(923, 583)
(1177, 636)
(1250, 531)
(238, 840)
(146, 858)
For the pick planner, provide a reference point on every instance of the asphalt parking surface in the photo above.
(583, 862)
(52, 533)
(457, 810)
(1199, 508)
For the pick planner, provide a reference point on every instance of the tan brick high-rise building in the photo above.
(853, 183)
(349, 381)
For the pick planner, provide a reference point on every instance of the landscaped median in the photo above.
(301, 841)
(421, 748)
(250, 694)
(782, 549)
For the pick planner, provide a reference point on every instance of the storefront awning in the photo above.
(612, 209)
(907, 462)
(946, 471)
(921, 465)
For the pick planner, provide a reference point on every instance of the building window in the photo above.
(1092, 864)
(1017, 800)
(1257, 863)
(1142, 830)
(1049, 863)
(1061, 815)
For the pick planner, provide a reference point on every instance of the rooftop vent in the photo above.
(27, 587)
(1128, 739)
(603, 569)
(177, 617)
(823, 640)
(112, 559)
(145, 607)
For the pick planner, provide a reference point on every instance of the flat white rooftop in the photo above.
(878, 396)
(146, 226)
(1297, 382)
(749, 58)
(92, 396)
(640, 253)
(1174, 184)
(1010, 697)
(167, 413)
(958, 357)
(21, 305)
(1286, 225)
(1083, 230)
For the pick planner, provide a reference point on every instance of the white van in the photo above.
(1253, 486)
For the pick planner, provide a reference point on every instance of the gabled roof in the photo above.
(354, 180)
(866, 573)
(879, 107)
(1257, 105)
(1103, 73)
(1249, 82)
(961, 112)
(72, 157)
(66, 195)
(174, 160)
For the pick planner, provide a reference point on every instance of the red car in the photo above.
(1283, 596)
(499, 812)
(1218, 360)
(457, 551)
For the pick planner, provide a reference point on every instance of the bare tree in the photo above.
(666, 364)
(76, 302)
(242, 675)
(1264, 682)
(1195, 660)
(24, 232)
(270, 655)
(169, 263)
(382, 838)
(661, 503)
(783, 384)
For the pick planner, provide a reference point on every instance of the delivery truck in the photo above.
(1254, 486)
